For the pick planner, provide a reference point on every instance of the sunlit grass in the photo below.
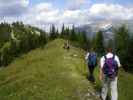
(51, 73)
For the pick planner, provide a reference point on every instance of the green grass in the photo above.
(125, 86)
(51, 73)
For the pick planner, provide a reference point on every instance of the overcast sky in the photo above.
(46, 12)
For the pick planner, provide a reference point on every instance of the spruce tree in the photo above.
(129, 55)
(73, 35)
(53, 34)
(99, 43)
(63, 31)
(121, 43)
(83, 40)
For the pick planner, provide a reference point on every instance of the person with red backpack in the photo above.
(91, 59)
(109, 65)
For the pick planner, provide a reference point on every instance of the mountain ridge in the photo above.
(49, 73)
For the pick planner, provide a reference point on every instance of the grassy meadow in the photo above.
(53, 73)
(49, 73)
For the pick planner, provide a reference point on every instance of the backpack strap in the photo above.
(105, 57)
(113, 56)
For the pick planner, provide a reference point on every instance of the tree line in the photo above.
(17, 39)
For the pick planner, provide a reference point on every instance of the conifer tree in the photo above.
(121, 44)
(53, 34)
(63, 31)
(73, 35)
(99, 43)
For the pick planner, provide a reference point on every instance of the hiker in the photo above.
(66, 45)
(108, 74)
(91, 59)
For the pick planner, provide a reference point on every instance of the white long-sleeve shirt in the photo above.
(87, 55)
(109, 55)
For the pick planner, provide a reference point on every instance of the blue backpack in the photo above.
(92, 59)
(110, 68)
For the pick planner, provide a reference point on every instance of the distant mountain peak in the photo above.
(106, 26)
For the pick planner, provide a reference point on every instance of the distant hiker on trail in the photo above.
(108, 74)
(66, 45)
(91, 59)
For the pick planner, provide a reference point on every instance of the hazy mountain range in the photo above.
(105, 26)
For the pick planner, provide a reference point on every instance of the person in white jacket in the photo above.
(106, 80)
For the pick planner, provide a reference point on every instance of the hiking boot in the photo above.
(101, 97)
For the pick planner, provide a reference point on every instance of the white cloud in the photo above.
(44, 14)
(79, 1)
(75, 16)
(43, 7)
(7, 3)
(76, 4)
(13, 7)
(111, 11)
